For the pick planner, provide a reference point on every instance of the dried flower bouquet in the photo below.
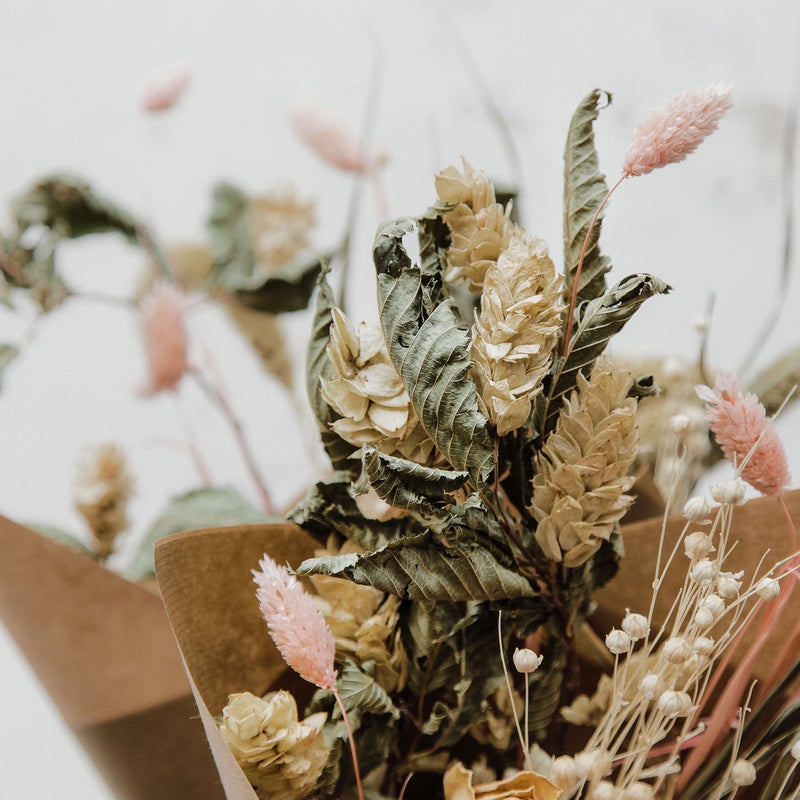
(482, 443)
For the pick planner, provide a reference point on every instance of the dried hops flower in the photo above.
(579, 492)
(514, 336)
(676, 129)
(369, 395)
(280, 225)
(281, 755)
(480, 228)
(739, 423)
(165, 336)
(295, 624)
(102, 488)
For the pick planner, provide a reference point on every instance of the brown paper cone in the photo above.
(210, 599)
(104, 651)
(758, 525)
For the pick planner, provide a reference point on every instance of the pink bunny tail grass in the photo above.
(329, 136)
(166, 340)
(739, 423)
(295, 624)
(676, 129)
(164, 88)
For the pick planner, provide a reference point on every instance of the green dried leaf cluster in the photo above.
(456, 540)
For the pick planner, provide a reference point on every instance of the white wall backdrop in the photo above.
(70, 78)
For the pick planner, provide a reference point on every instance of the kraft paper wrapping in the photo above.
(104, 651)
(210, 599)
(758, 525)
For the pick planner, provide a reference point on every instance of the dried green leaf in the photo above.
(360, 692)
(288, 290)
(70, 207)
(426, 636)
(201, 508)
(596, 321)
(429, 348)
(407, 485)
(584, 190)
(546, 689)
(229, 230)
(422, 568)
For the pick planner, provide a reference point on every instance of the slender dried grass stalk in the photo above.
(579, 492)
(513, 339)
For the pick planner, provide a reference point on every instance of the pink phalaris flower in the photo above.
(676, 129)
(329, 135)
(165, 337)
(737, 422)
(296, 625)
(164, 88)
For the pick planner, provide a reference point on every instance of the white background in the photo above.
(71, 74)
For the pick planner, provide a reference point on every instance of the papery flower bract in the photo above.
(676, 129)
(739, 422)
(329, 135)
(165, 337)
(165, 87)
(296, 625)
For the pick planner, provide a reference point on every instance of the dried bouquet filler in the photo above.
(445, 632)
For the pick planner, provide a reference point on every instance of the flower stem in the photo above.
(352, 742)
(577, 278)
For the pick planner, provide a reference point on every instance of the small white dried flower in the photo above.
(704, 571)
(604, 791)
(618, 642)
(592, 764)
(674, 704)
(676, 650)
(698, 545)
(697, 510)
(652, 686)
(526, 661)
(563, 772)
(729, 493)
(638, 791)
(768, 589)
(692, 665)
(714, 603)
(703, 645)
(796, 750)
(703, 618)
(679, 424)
(743, 773)
(700, 323)
(635, 625)
(729, 584)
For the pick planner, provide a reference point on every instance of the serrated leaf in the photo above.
(546, 689)
(201, 508)
(70, 207)
(408, 485)
(233, 260)
(318, 365)
(7, 354)
(420, 568)
(429, 349)
(330, 507)
(286, 291)
(596, 321)
(432, 660)
(360, 692)
(584, 190)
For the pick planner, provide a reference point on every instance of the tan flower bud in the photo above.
(704, 571)
(638, 791)
(768, 589)
(563, 772)
(703, 618)
(618, 642)
(674, 704)
(636, 626)
(697, 545)
(605, 790)
(652, 686)
(715, 604)
(729, 493)
(703, 645)
(743, 773)
(676, 650)
(729, 584)
(526, 661)
(697, 510)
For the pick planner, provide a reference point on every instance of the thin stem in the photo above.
(352, 741)
(405, 783)
(224, 407)
(147, 242)
(191, 442)
(577, 278)
(511, 690)
(527, 729)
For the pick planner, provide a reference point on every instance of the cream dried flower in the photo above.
(280, 225)
(523, 785)
(369, 395)
(579, 492)
(514, 337)
(480, 228)
(281, 755)
(102, 488)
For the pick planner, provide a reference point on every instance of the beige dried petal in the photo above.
(523, 785)
(340, 395)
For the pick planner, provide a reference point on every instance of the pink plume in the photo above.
(164, 88)
(165, 337)
(329, 135)
(676, 129)
(737, 422)
(296, 625)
